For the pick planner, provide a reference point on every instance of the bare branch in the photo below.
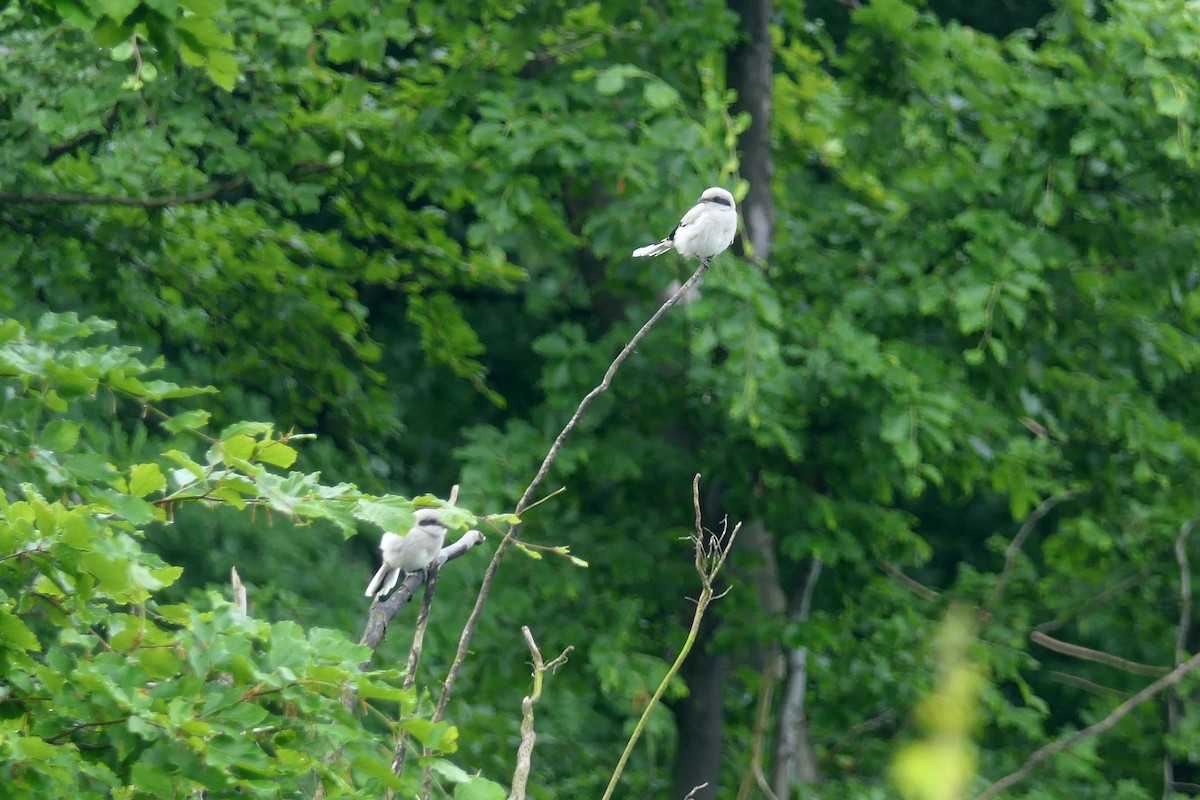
(528, 735)
(1014, 547)
(120, 200)
(1098, 656)
(414, 660)
(1174, 704)
(489, 575)
(1098, 601)
(56, 151)
(1117, 714)
(916, 587)
(762, 716)
(1086, 685)
(885, 717)
(692, 794)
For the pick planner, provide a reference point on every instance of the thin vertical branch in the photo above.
(414, 660)
(710, 557)
(528, 735)
(430, 577)
(762, 716)
(792, 742)
(1174, 704)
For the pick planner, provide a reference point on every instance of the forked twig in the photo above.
(528, 735)
(711, 554)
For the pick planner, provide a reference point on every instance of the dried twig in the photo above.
(914, 586)
(1098, 656)
(1014, 547)
(1099, 601)
(692, 794)
(762, 716)
(526, 499)
(1174, 704)
(414, 660)
(528, 735)
(239, 590)
(1117, 714)
(120, 200)
(711, 553)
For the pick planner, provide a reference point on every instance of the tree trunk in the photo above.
(795, 760)
(700, 717)
(749, 73)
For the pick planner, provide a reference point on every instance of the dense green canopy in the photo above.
(952, 400)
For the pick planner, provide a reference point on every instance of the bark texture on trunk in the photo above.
(749, 72)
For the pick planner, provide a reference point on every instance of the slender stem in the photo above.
(709, 560)
(489, 575)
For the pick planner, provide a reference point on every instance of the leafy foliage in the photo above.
(405, 227)
(111, 693)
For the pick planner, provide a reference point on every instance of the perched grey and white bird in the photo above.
(705, 231)
(402, 554)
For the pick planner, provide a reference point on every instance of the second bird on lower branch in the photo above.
(410, 553)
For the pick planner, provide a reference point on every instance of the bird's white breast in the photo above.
(709, 234)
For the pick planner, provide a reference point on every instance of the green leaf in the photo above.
(152, 779)
(391, 513)
(660, 95)
(612, 80)
(134, 509)
(60, 435)
(145, 479)
(118, 10)
(477, 788)
(123, 51)
(14, 635)
(187, 420)
(222, 68)
(276, 453)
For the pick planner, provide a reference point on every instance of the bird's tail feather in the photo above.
(377, 582)
(656, 249)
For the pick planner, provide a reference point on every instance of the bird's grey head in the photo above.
(429, 519)
(718, 196)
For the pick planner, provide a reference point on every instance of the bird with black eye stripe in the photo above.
(409, 553)
(705, 231)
